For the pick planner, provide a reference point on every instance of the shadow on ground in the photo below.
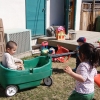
(57, 70)
(2, 92)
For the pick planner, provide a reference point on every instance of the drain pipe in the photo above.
(77, 11)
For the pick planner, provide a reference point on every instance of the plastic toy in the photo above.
(52, 51)
(36, 69)
(98, 42)
(60, 51)
(45, 51)
(60, 33)
(97, 79)
(44, 44)
(44, 48)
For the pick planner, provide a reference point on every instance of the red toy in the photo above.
(60, 51)
(60, 33)
(44, 44)
(97, 79)
(44, 48)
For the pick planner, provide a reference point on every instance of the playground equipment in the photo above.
(60, 50)
(36, 69)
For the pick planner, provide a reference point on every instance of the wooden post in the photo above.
(93, 11)
(81, 17)
(2, 40)
(72, 15)
(93, 15)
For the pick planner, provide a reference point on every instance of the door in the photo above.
(67, 6)
(35, 16)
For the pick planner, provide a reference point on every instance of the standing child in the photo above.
(80, 42)
(8, 60)
(84, 88)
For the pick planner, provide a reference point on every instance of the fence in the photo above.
(88, 14)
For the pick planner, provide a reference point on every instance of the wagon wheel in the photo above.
(11, 90)
(47, 81)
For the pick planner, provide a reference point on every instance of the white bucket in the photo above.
(72, 36)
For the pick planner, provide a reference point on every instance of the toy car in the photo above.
(36, 69)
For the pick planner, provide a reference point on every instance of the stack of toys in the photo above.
(44, 48)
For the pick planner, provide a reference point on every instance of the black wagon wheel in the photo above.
(11, 90)
(48, 81)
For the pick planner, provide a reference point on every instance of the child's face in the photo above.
(13, 50)
(80, 43)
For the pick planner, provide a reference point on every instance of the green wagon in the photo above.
(36, 69)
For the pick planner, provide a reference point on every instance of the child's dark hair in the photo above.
(10, 44)
(90, 53)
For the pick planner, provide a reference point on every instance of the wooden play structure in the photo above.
(2, 40)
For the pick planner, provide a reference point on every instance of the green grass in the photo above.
(60, 90)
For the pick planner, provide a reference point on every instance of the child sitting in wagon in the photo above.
(8, 60)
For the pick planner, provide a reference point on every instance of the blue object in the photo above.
(81, 39)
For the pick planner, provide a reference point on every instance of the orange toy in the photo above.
(97, 79)
(60, 51)
(60, 33)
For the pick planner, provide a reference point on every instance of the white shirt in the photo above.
(88, 74)
(9, 61)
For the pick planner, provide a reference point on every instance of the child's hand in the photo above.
(21, 62)
(68, 70)
(19, 66)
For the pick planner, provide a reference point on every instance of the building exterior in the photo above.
(37, 15)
